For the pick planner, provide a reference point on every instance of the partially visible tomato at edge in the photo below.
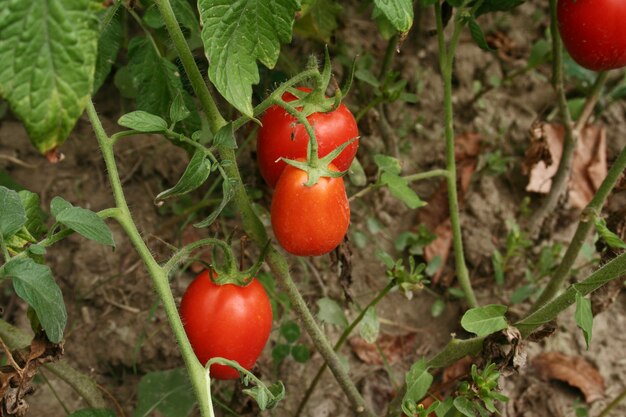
(309, 221)
(283, 136)
(594, 32)
(226, 321)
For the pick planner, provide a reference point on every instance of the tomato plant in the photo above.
(226, 321)
(309, 221)
(593, 32)
(283, 136)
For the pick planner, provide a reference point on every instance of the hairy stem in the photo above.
(446, 61)
(158, 274)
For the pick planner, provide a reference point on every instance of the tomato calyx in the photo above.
(227, 272)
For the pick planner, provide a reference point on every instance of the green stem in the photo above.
(446, 63)
(342, 339)
(251, 223)
(5, 250)
(408, 178)
(613, 404)
(158, 274)
(584, 226)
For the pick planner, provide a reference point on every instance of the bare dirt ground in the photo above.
(116, 332)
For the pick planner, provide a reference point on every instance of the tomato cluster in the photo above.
(227, 321)
(593, 32)
(307, 220)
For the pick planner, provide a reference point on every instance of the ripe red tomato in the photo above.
(594, 32)
(309, 221)
(226, 321)
(282, 136)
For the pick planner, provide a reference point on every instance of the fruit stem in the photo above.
(446, 61)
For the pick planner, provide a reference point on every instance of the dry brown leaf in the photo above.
(457, 370)
(573, 370)
(589, 167)
(393, 347)
(441, 246)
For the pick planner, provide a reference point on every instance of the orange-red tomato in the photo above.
(309, 221)
(593, 32)
(226, 321)
(282, 136)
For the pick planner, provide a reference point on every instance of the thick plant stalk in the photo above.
(157, 273)
(446, 60)
(251, 223)
(584, 226)
(571, 132)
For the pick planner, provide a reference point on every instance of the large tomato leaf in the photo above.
(318, 19)
(109, 43)
(34, 284)
(47, 59)
(12, 213)
(398, 12)
(238, 33)
(168, 392)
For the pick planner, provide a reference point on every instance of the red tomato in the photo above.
(594, 32)
(309, 221)
(282, 136)
(226, 321)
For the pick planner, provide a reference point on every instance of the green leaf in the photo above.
(489, 6)
(399, 13)
(300, 353)
(35, 217)
(194, 176)
(238, 33)
(464, 406)
(485, 320)
(47, 60)
(401, 190)
(540, 52)
(437, 308)
(280, 352)
(12, 212)
(290, 331)
(142, 121)
(266, 397)
(225, 137)
(228, 193)
(331, 312)
(418, 380)
(387, 164)
(498, 266)
(357, 174)
(318, 19)
(584, 316)
(178, 109)
(82, 221)
(109, 43)
(478, 35)
(369, 326)
(93, 412)
(609, 237)
(34, 284)
(168, 392)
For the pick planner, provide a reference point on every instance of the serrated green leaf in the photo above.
(34, 284)
(168, 392)
(418, 380)
(35, 217)
(266, 397)
(195, 175)
(485, 320)
(398, 12)
(82, 221)
(584, 316)
(331, 312)
(109, 43)
(228, 192)
(12, 212)
(387, 164)
(47, 60)
(178, 109)
(369, 327)
(142, 121)
(300, 353)
(238, 33)
(225, 137)
(93, 412)
(609, 237)
(478, 35)
(318, 19)
(401, 190)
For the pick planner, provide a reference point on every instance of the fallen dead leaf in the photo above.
(393, 347)
(589, 167)
(457, 370)
(573, 370)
